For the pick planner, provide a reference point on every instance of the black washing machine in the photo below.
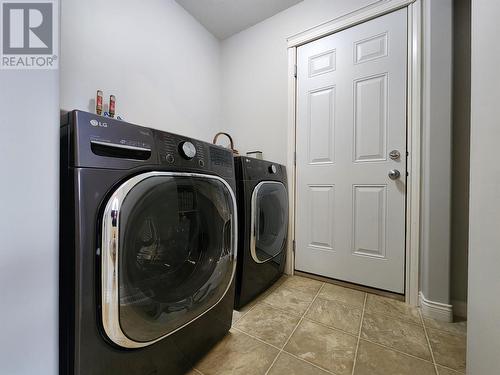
(263, 226)
(148, 233)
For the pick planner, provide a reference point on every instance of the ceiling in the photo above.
(224, 18)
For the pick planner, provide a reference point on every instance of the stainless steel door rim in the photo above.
(109, 257)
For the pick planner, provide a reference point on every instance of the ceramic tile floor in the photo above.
(302, 326)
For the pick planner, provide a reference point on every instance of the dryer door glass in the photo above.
(269, 220)
(175, 254)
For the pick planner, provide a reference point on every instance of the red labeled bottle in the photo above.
(98, 103)
(112, 104)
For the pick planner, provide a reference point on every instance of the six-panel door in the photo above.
(351, 113)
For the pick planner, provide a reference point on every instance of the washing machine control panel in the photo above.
(103, 142)
(178, 151)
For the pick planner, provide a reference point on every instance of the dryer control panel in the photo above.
(257, 169)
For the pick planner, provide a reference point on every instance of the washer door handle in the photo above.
(227, 244)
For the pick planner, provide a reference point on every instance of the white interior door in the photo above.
(351, 113)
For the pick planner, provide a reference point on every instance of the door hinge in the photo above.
(293, 246)
(295, 158)
(295, 70)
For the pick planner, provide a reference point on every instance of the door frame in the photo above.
(414, 126)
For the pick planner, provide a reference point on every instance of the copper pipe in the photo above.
(230, 141)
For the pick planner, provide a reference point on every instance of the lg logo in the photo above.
(29, 34)
(96, 123)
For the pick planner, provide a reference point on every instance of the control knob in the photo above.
(187, 150)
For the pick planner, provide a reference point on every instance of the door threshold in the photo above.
(345, 284)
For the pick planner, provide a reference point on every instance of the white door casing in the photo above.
(351, 112)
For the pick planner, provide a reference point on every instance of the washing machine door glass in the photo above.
(168, 254)
(269, 221)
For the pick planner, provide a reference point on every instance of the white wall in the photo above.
(254, 78)
(180, 86)
(161, 64)
(483, 338)
(29, 194)
(436, 150)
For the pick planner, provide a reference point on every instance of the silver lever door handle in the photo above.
(394, 174)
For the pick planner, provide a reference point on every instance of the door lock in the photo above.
(394, 174)
(394, 155)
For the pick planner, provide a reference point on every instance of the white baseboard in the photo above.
(459, 308)
(436, 310)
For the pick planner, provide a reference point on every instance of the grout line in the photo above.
(254, 304)
(314, 299)
(447, 332)
(341, 302)
(296, 326)
(397, 351)
(458, 334)
(428, 342)
(280, 351)
(260, 299)
(257, 338)
(331, 327)
(359, 334)
(309, 363)
(282, 310)
(352, 307)
(451, 369)
(400, 316)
